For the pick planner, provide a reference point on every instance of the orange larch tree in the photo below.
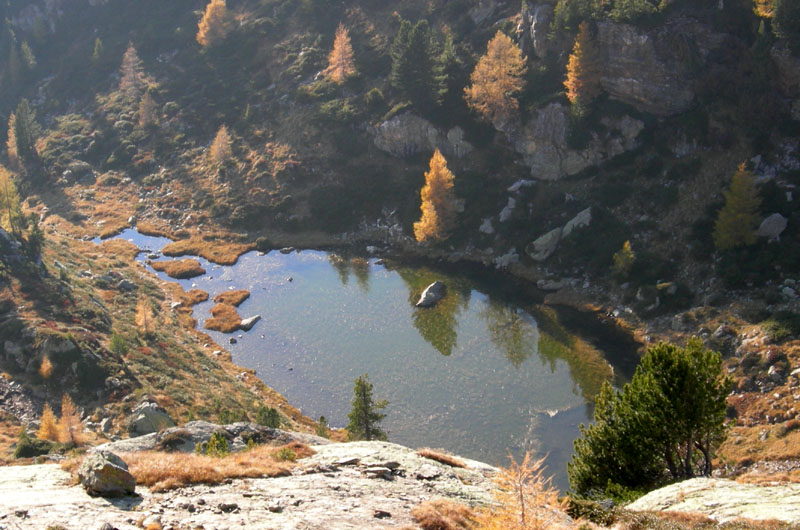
(438, 202)
(220, 149)
(215, 24)
(583, 71)
(340, 60)
(497, 77)
(70, 429)
(47, 427)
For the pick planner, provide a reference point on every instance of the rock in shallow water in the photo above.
(432, 294)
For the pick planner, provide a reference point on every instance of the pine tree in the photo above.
(583, 71)
(98, 52)
(416, 72)
(11, 142)
(738, 219)
(364, 416)
(148, 112)
(215, 24)
(23, 132)
(340, 60)
(10, 208)
(220, 149)
(131, 82)
(70, 430)
(438, 202)
(48, 428)
(497, 77)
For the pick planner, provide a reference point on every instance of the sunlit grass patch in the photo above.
(217, 250)
(234, 298)
(179, 269)
(224, 318)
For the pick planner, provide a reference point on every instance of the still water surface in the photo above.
(475, 375)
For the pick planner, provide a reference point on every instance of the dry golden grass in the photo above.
(193, 297)
(218, 250)
(165, 471)
(442, 514)
(179, 269)
(748, 444)
(759, 477)
(224, 318)
(149, 228)
(234, 298)
(441, 457)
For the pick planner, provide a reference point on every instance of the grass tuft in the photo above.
(442, 514)
(179, 269)
(224, 318)
(234, 298)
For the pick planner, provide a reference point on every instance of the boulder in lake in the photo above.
(432, 294)
(105, 474)
(147, 418)
(248, 323)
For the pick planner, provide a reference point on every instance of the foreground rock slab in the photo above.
(331, 489)
(725, 500)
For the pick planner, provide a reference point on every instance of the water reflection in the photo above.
(347, 266)
(438, 325)
(512, 331)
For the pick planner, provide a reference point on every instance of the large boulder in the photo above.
(543, 142)
(407, 134)
(148, 418)
(544, 246)
(772, 227)
(432, 294)
(105, 474)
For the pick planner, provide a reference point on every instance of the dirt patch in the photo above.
(179, 269)
(234, 298)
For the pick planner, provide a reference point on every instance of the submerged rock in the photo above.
(432, 294)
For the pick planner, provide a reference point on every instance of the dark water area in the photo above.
(484, 374)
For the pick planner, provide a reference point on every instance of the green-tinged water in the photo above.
(475, 375)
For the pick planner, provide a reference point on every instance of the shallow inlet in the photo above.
(476, 375)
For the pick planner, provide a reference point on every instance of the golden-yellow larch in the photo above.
(583, 71)
(220, 149)
(70, 429)
(48, 428)
(438, 202)
(497, 77)
(215, 24)
(340, 60)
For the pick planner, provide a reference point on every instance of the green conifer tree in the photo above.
(25, 132)
(416, 69)
(737, 220)
(364, 416)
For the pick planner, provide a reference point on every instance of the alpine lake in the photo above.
(486, 373)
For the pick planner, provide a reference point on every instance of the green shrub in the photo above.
(285, 455)
(322, 427)
(338, 110)
(782, 325)
(268, 417)
(374, 98)
(28, 447)
(217, 445)
(119, 345)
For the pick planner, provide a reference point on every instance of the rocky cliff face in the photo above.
(654, 70)
(408, 134)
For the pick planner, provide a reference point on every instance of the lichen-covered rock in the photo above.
(104, 474)
(148, 418)
(407, 134)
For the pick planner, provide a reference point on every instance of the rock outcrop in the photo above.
(543, 143)
(654, 70)
(432, 294)
(332, 489)
(725, 500)
(186, 437)
(104, 474)
(148, 418)
(407, 134)
(772, 227)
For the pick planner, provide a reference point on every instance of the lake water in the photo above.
(475, 375)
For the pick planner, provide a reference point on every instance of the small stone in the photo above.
(228, 507)
(232, 340)
(379, 472)
(347, 461)
(428, 472)
(381, 514)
